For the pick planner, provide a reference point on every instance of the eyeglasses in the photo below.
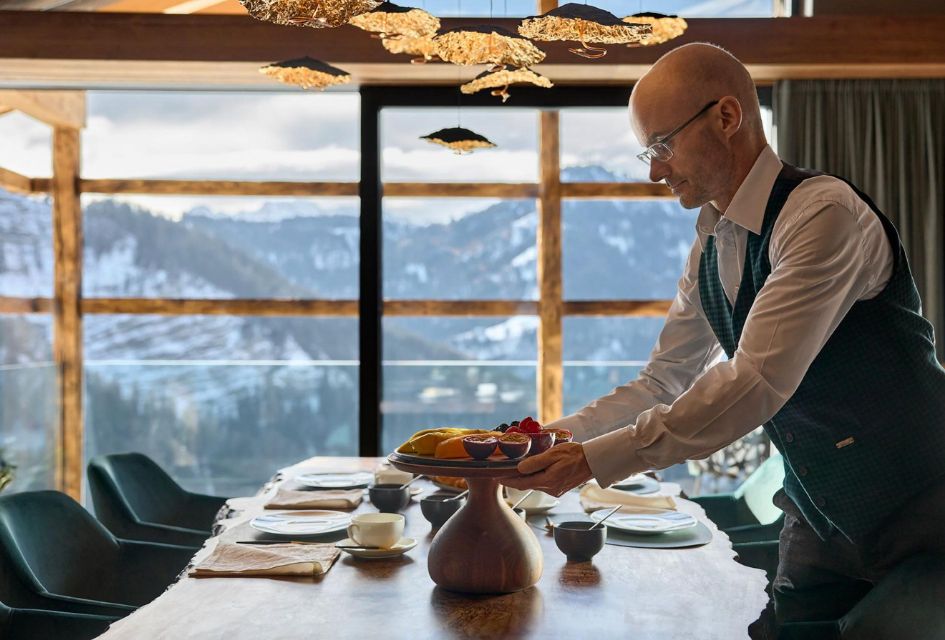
(661, 151)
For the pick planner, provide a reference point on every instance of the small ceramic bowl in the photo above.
(541, 442)
(561, 435)
(578, 541)
(480, 447)
(389, 498)
(515, 445)
(438, 508)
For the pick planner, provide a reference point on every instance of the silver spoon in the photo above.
(522, 499)
(601, 521)
(410, 482)
(457, 496)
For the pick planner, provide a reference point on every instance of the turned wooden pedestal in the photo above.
(485, 547)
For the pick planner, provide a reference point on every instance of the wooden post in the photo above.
(67, 320)
(550, 374)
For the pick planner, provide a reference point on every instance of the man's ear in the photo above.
(730, 110)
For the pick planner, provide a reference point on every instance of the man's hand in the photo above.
(555, 471)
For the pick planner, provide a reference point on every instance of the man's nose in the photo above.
(658, 170)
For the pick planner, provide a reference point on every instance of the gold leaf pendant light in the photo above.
(390, 20)
(423, 49)
(487, 44)
(458, 139)
(499, 81)
(307, 73)
(585, 24)
(663, 28)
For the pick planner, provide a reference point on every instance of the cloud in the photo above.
(25, 145)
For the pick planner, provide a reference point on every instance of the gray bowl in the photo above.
(578, 541)
(389, 498)
(438, 508)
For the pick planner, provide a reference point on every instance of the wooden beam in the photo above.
(460, 190)
(220, 187)
(67, 318)
(459, 308)
(615, 190)
(224, 307)
(56, 108)
(68, 49)
(4, 109)
(25, 305)
(629, 308)
(550, 369)
(13, 181)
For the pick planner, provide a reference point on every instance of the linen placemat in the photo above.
(237, 560)
(328, 499)
(593, 497)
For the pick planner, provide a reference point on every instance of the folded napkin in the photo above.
(330, 499)
(270, 560)
(593, 497)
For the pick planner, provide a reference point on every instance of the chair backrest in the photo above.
(56, 545)
(759, 488)
(135, 485)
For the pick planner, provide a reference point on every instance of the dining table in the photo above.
(623, 592)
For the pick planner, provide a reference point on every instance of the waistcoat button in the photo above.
(802, 470)
(821, 501)
(789, 437)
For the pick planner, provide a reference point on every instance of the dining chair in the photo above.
(748, 514)
(137, 500)
(33, 624)
(55, 556)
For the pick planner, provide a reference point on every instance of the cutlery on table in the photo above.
(457, 496)
(610, 513)
(522, 499)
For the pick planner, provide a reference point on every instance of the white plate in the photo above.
(403, 546)
(312, 522)
(542, 507)
(646, 523)
(635, 480)
(355, 480)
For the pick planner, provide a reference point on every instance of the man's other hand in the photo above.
(555, 471)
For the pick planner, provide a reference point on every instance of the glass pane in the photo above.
(217, 247)
(407, 158)
(695, 8)
(27, 145)
(597, 145)
(459, 249)
(221, 402)
(29, 410)
(624, 249)
(464, 372)
(26, 255)
(222, 135)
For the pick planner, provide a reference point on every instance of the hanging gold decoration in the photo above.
(499, 81)
(307, 73)
(389, 19)
(308, 13)
(583, 23)
(424, 48)
(458, 139)
(663, 28)
(486, 44)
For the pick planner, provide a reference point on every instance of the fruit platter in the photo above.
(463, 553)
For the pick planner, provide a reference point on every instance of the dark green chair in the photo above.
(137, 500)
(748, 514)
(36, 624)
(55, 556)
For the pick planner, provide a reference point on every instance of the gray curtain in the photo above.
(888, 138)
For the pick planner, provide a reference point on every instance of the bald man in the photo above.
(803, 284)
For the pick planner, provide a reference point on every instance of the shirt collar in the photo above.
(747, 208)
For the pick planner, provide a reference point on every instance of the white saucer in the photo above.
(403, 546)
(355, 480)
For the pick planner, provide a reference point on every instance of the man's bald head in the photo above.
(688, 77)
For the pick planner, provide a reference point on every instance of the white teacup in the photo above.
(376, 529)
(389, 475)
(537, 500)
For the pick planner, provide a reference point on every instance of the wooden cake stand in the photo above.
(485, 547)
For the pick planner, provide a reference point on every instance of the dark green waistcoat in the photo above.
(865, 429)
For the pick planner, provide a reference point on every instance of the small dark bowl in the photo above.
(541, 442)
(515, 449)
(578, 541)
(478, 447)
(561, 435)
(438, 508)
(389, 498)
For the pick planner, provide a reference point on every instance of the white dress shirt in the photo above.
(828, 250)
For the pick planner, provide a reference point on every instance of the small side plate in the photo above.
(403, 546)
